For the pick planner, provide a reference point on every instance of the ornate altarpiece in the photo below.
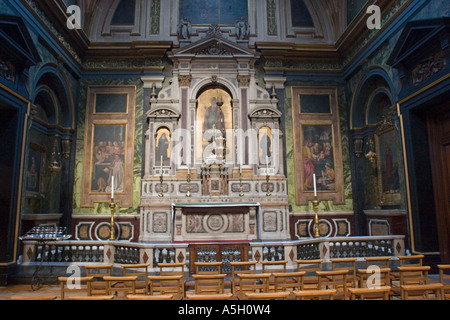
(225, 179)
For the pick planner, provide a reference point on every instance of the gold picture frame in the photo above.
(389, 164)
(109, 147)
(317, 147)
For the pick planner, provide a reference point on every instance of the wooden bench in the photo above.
(134, 270)
(83, 283)
(221, 296)
(209, 283)
(267, 295)
(36, 297)
(150, 297)
(167, 284)
(96, 297)
(122, 287)
(315, 294)
(98, 271)
(380, 293)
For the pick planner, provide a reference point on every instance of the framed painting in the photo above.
(109, 145)
(389, 162)
(317, 145)
(36, 164)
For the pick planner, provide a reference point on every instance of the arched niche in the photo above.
(213, 124)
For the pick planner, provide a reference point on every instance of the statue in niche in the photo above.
(265, 146)
(162, 146)
(242, 29)
(184, 28)
(214, 118)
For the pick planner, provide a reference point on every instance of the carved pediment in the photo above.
(419, 40)
(162, 112)
(265, 112)
(214, 45)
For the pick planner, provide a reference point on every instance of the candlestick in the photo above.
(316, 217)
(112, 235)
(241, 193)
(112, 187)
(188, 194)
(315, 186)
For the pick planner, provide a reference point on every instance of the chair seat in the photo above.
(267, 295)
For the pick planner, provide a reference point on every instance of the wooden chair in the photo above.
(382, 262)
(414, 284)
(336, 280)
(98, 271)
(346, 264)
(78, 284)
(444, 278)
(164, 285)
(367, 281)
(209, 283)
(32, 297)
(221, 296)
(267, 295)
(123, 281)
(208, 267)
(174, 269)
(376, 293)
(310, 279)
(97, 297)
(274, 266)
(149, 297)
(142, 280)
(258, 282)
(241, 267)
(288, 281)
(327, 294)
(411, 261)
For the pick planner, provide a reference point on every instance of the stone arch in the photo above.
(50, 82)
(373, 85)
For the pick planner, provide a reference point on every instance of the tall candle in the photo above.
(161, 165)
(240, 169)
(267, 165)
(315, 187)
(112, 187)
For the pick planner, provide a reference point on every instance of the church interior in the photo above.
(224, 140)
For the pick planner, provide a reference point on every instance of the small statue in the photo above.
(184, 28)
(242, 29)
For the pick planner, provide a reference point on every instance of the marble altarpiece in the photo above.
(220, 175)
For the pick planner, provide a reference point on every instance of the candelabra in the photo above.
(112, 205)
(241, 194)
(268, 193)
(161, 194)
(316, 217)
(188, 194)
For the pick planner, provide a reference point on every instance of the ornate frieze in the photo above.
(428, 67)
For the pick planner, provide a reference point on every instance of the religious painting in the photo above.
(265, 145)
(389, 162)
(213, 122)
(317, 145)
(162, 147)
(108, 158)
(318, 157)
(36, 159)
(108, 145)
